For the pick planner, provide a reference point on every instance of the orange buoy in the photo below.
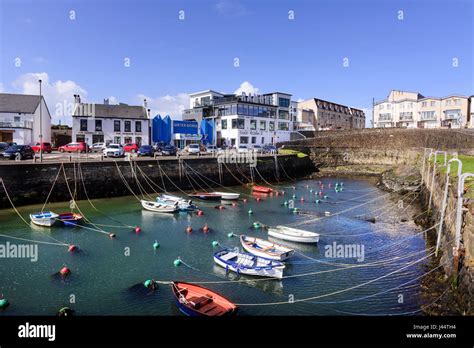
(205, 229)
(64, 271)
(71, 248)
(200, 213)
(189, 229)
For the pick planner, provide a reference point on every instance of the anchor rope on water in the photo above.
(52, 187)
(34, 241)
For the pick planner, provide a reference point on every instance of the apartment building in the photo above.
(413, 110)
(243, 119)
(326, 115)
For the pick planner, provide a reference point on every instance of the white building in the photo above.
(20, 119)
(121, 124)
(243, 119)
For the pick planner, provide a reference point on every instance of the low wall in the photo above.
(29, 183)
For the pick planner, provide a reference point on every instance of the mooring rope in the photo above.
(126, 183)
(34, 241)
(52, 187)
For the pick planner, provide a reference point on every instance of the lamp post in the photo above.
(41, 124)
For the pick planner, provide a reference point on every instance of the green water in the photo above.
(105, 273)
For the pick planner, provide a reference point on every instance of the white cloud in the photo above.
(246, 87)
(231, 8)
(58, 94)
(172, 105)
(112, 100)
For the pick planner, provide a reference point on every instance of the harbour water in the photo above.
(105, 273)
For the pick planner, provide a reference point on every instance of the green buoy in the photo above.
(285, 203)
(256, 225)
(325, 197)
(311, 191)
(294, 196)
(317, 201)
(250, 211)
(156, 245)
(230, 235)
(147, 283)
(215, 243)
(4, 303)
(177, 262)
(295, 210)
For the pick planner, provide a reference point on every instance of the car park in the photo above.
(211, 149)
(74, 147)
(243, 149)
(3, 146)
(47, 148)
(169, 150)
(146, 150)
(257, 149)
(98, 147)
(133, 148)
(19, 152)
(114, 150)
(271, 149)
(193, 149)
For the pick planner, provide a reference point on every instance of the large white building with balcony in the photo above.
(20, 119)
(413, 110)
(109, 123)
(243, 119)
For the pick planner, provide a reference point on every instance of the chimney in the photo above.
(106, 101)
(145, 104)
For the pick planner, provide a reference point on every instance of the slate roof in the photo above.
(111, 111)
(18, 103)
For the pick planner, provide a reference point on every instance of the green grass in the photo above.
(292, 152)
(467, 167)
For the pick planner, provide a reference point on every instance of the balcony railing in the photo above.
(16, 124)
(406, 118)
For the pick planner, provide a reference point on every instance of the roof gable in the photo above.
(19, 103)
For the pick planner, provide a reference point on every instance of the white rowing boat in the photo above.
(159, 207)
(45, 219)
(249, 264)
(265, 248)
(228, 196)
(183, 204)
(293, 234)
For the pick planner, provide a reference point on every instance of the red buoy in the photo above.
(282, 193)
(329, 185)
(189, 229)
(205, 229)
(138, 229)
(302, 199)
(277, 193)
(221, 207)
(64, 271)
(258, 199)
(320, 193)
(200, 213)
(234, 204)
(71, 248)
(245, 200)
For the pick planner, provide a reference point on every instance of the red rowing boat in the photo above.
(196, 300)
(262, 189)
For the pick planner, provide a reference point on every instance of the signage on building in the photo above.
(185, 127)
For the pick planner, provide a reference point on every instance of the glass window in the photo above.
(254, 140)
(253, 124)
(83, 125)
(224, 124)
(138, 141)
(283, 114)
(283, 102)
(240, 109)
(271, 125)
(116, 126)
(138, 126)
(128, 126)
(263, 125)
(238, 123)
(98, 125)
(127, 140)
(234, 109)
(433, 103)
(117, 140)
(246, 109)
(244, 140)
(283, 126)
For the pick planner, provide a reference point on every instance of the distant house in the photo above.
(108, 123)
(20, 118)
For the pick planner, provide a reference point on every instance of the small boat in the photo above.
(228, 196)
(262, 189)
(195, 300)
(293, 234)
(159, 207)
(265, 248)
(184, 205)
(249, 264)
(70, 219)
(45, 219)
(206, 196)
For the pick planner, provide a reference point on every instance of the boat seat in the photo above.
(198, 302)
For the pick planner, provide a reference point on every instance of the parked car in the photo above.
(211, 149)
(169, 150)
(3, 147)
(193, 149)
(97, 147)
(159, 146)
(146, 150)
(243, 149)
(46, 147)
(257, 148)
(74, 147)
(20, 152)
(114, 150)
(131, 148)
(270, 149)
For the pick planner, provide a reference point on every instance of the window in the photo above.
(116, 126)
(283, 102)
(238, 123)
(138, 141)
(81, 138)
(128, 126)
(127, 140)
(117, 140)
(457, 101)
(283, 126)
(448, 102)
(240, 109)
(244, 140)
(263, 125)
(271, 125)
(234, 109)
(424, 104)
(246, 110)
(283, 115)
(138, 126)
(263, 140)
(224, 124)
(83, 125)
(254, 140)
(98, 126)
(272, 113)
(205, 100)
(432, 103)
(253, 125)
(452, 114)
(428, 115)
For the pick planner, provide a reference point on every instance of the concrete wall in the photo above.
(30, 183)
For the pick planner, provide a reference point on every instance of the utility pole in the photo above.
(373, 113)
(41, 124)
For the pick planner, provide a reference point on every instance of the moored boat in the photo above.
(293, 234)
(265, 248)
(261, 189)
(183, 204)
(196, 300)
(249, 264)
(45, 218)
(206, 196)
(70, 219)
(159, 207)
(228, 196)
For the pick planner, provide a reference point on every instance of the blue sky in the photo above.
(170, 57)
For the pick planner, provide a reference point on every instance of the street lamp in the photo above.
(41, 125)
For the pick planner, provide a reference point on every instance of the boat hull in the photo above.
(274, 251)
(159, 208)
(228, 196)
(262, 189)
(44, 219)
(280, 234)
(206, 196)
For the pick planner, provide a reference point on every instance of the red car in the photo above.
(74, 147)
(131, 148)
(46, 147)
